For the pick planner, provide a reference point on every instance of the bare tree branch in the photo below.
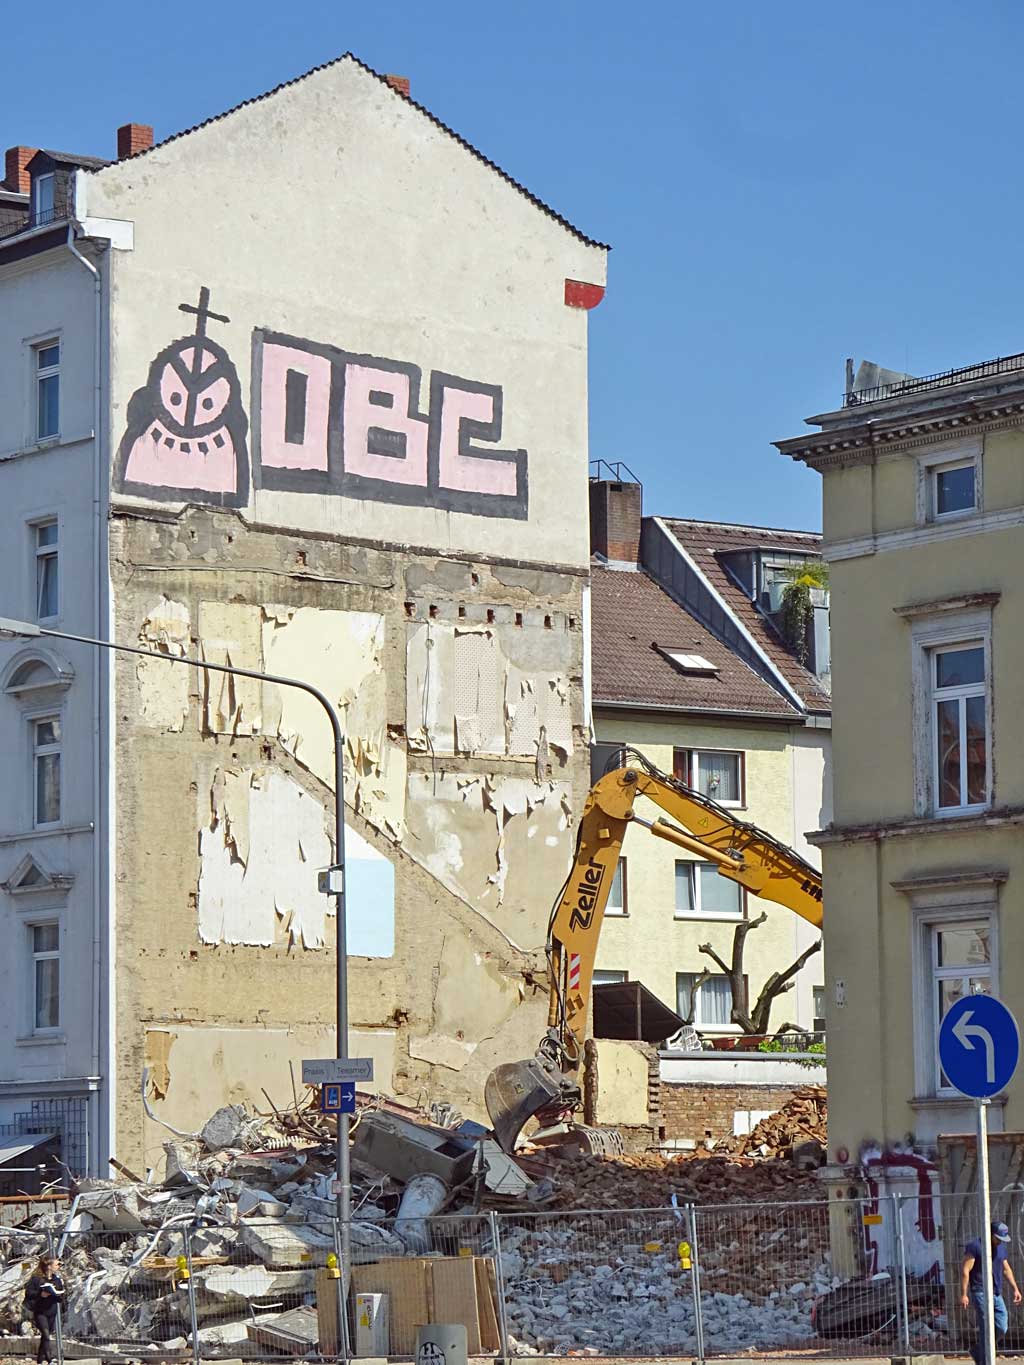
(777, 984)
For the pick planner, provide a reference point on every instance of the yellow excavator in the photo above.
(546, 1087)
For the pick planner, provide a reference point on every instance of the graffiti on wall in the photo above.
(185, 438)
(324, 421)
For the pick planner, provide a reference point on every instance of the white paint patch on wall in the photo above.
(230, 634)
(492, 841)
(260, 853)
(163, 690)
(483, 689)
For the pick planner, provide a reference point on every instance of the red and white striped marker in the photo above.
(574, 971)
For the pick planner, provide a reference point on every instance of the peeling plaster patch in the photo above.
(341, 653)
(474, 835)
(473, 998)
(229, 633)
(163, 691)
(159, 1043)
(441, 1051)
(260, 853)
(500, 690)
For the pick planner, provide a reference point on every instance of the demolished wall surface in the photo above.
(226, 960)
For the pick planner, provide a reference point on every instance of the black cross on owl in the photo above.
(185, 437)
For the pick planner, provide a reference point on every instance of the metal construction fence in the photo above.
(829, 1278)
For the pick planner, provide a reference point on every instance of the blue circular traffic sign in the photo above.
(979, 1045)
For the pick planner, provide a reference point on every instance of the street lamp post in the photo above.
(336, 882)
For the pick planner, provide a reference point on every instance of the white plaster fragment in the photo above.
(229, 633)
(270, 892)
(341, 653)
(163, 689)
(442, 1050)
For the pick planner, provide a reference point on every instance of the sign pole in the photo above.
(985, 1200)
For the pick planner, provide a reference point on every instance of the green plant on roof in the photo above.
(795, 611)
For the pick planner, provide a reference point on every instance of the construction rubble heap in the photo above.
(240, 1227)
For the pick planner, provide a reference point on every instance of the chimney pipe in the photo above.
(399, 83)
(133, 138)
(16, 176)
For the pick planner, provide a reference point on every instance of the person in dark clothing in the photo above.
(972, 1286)
(44, 1294)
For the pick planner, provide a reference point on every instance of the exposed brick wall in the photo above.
(615, 510)
(133, 138)
(701, 1111)
(16, 176)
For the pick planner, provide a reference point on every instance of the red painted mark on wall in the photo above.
(581, 295)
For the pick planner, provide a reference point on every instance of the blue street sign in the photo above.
(338, 1099)
(979, 1045)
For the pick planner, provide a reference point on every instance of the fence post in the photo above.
(499, 1276)
(901, 1265)
(342, 1351)
(698, 1314)
(51, 1255)
(196, 1354)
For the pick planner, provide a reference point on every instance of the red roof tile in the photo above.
(630, 617)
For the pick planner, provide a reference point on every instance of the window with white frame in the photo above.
(959, 726)
(43, 198)
(713, 1003)
(953, 489)
(46, 357)
(617, 896)
(608, 978)
(961, 964)
(949, 482)
(952, 703)
(45, 537)
(46, 777)
(718, 773)
(702, 892)
(45, 940)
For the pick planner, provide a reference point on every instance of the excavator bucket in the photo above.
(517, 1091)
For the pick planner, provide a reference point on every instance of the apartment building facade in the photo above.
(690, 667)
(302, 389)
(924, 530)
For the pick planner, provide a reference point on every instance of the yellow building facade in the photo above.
(690, 667)
(923, 485)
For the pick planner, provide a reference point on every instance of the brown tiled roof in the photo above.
(351, 57)
(630, 616)
(706, 541)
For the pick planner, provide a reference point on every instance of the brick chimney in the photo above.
(615, 511)
(133, 138)
(399, 83)
(16, 176)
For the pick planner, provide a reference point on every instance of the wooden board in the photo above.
(407, 1283)
(327, 1312)
(487, 1303)
(455, 1296)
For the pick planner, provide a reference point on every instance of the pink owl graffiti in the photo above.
(185, 438)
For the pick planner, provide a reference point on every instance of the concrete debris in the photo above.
(800, 1125)
(225, 1128)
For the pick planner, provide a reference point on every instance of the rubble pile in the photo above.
(650, 1180)
(804, 1119)
(627, 1293)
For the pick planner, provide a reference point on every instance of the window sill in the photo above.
(48, 443)
(961, 812)
(954, 1101)
(49, 832)
(41, 1039)
(705, 918)
(616, 914)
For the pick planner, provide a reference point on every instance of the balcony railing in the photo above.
(34, 220)
(944, 379)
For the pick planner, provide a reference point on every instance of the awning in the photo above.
(627, 1009)
(28, 1142)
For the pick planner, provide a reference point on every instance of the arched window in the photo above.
(27, 675)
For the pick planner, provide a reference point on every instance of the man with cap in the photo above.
(972, 1286)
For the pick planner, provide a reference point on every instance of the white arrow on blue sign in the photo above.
(979, 1045)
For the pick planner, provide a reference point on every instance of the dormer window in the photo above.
(693, 664)
(43, 198)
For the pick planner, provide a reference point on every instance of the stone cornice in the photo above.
(861, 443)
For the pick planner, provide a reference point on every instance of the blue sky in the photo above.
(783, 184)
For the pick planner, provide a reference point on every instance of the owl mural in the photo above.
(185, 437)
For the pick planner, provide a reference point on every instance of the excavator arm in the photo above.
(545, 1086)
